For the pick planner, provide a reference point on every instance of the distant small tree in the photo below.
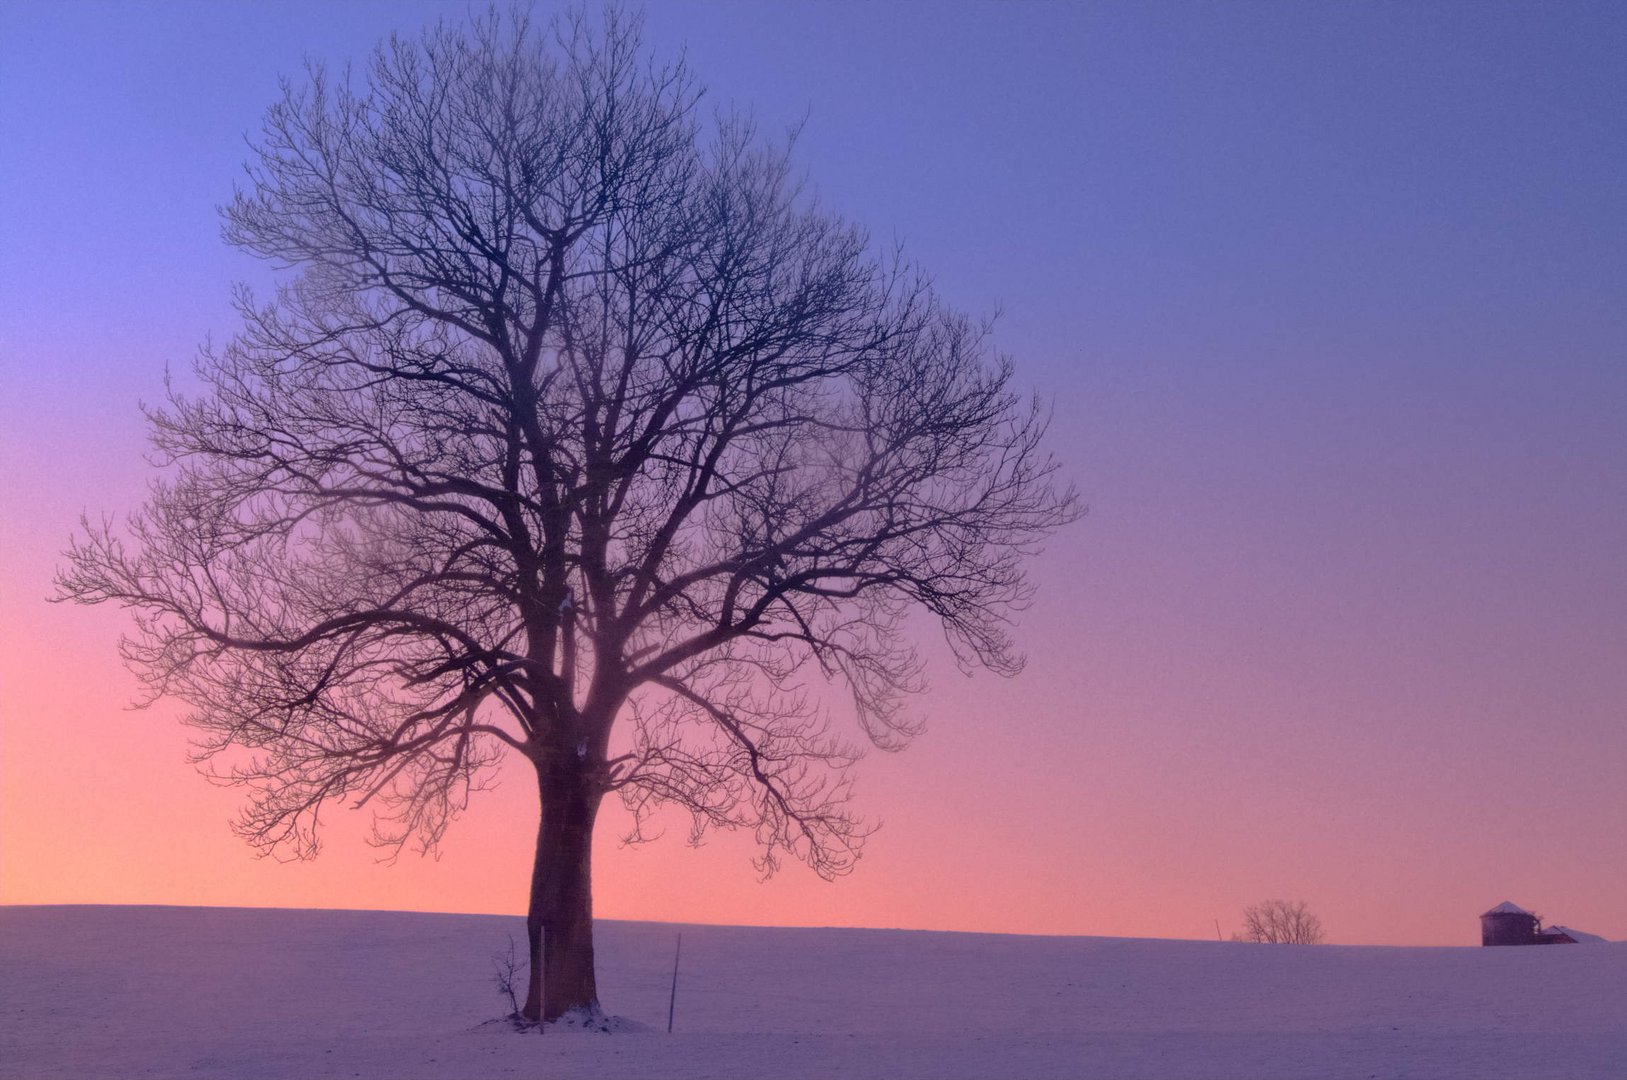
(1280, 922)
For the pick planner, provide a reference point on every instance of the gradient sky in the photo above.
(1332, 304)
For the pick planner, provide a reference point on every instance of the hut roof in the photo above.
(1508, 908)
(1577, 936)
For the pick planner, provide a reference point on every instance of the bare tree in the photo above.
(579, 430)
(1280, 922)
(506, 973)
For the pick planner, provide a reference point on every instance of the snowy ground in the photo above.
(143, 991)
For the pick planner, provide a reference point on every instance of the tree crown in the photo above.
(574, 409)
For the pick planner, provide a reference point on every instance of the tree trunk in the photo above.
(559, 924)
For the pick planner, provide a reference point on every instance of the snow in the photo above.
(97, 992)
(1508, 908)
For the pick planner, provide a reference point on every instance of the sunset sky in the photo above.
(1331, 301)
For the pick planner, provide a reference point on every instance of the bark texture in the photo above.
(559, 922)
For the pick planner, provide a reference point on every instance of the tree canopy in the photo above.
(577, 428)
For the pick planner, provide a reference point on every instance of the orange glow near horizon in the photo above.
(1001, 818)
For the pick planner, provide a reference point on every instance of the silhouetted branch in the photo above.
(573, 409)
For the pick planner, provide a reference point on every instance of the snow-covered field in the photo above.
(150, 991)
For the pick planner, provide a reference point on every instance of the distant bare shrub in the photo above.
(1280, 922)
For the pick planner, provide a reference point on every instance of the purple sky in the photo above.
(1332, 304)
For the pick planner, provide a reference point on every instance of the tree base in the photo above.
(589, 1018)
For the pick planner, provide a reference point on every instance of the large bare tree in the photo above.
(577, 430)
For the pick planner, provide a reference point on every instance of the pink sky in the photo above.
(1337, 347)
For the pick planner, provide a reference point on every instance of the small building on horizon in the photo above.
(1510, 924)
(1565, 935)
